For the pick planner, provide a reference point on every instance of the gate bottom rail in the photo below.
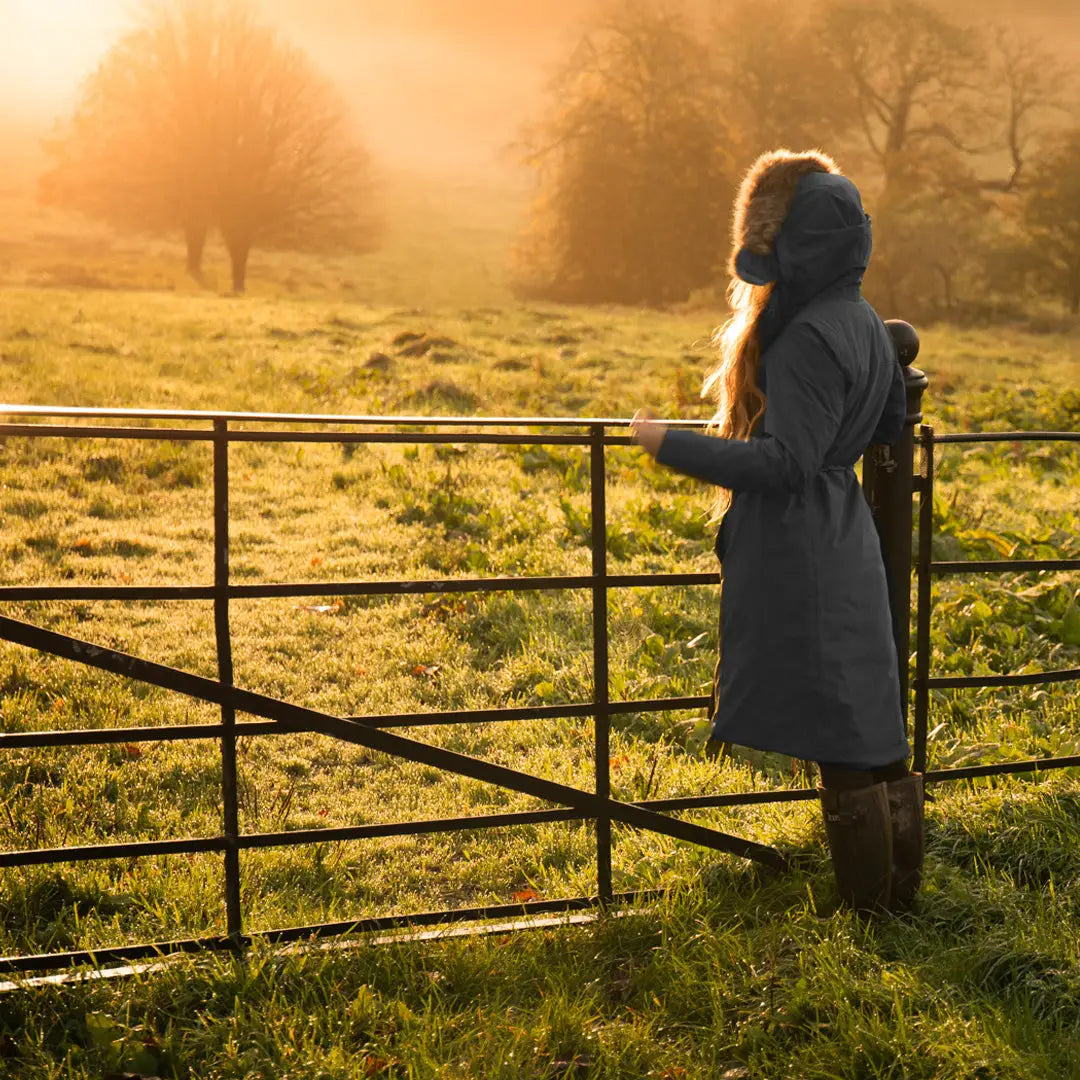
(117, 954)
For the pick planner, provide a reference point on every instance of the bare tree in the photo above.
(289, 172)
(1033, 83)
(932, 238)
(915, 78)
(201, 117)
(634, 165)
(134, 152)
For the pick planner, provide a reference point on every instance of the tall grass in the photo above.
(733, 974)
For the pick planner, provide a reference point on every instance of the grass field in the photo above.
(735, 974)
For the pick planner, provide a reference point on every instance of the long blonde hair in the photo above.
(733, 382)
(762, 203)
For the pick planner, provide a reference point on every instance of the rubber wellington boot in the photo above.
(859, 834)
(906, 814)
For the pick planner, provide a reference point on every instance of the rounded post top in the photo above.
(905, 339)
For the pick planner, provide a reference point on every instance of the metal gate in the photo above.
(375, 732)
(889, 481)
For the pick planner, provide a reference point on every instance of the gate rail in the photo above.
(888, 483)
(278, 717)
(927, 567)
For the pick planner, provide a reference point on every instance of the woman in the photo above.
(808, 378)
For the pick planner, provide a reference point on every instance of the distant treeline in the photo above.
(963, 139)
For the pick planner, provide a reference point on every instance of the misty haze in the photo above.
(539, 539)
(443, 98)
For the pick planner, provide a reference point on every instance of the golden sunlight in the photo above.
(48, 46)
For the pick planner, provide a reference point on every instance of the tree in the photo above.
(941, 105)
(1052, 217)
(200, 118)
(1032, 82)
(916, 79)
(133, 153)
(635, 173)
(932, 239)
(779, 86)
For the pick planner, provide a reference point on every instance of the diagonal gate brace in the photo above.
(296, 718)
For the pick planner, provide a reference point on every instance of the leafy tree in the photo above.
(932, 239)
(1052, 218)
(201, 117)
(779, 86)
(635, 167)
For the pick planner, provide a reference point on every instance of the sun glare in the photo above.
(48, 46)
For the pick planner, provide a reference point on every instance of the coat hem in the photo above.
(806, 753)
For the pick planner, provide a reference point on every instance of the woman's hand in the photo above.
(647, 432)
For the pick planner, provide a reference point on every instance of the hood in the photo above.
(799, 223)
(824, 240)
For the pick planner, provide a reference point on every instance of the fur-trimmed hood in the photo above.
(798, 223)
(799, 219)
(766, 194)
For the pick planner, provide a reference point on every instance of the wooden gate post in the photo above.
(888, 483)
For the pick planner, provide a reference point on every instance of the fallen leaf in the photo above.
(316, 560)
(619, 761)
(324, 609)
(524, 895)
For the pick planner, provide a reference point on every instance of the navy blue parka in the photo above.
(808, 665)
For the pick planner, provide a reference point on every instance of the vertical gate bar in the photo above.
(888, 483)
(602, 719)
(922, 613)
(230, 812)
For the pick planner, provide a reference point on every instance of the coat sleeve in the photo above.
(804, 408)
(891, 425)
